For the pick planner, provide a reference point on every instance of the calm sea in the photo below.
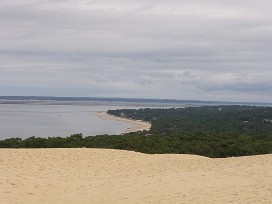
(48, 119)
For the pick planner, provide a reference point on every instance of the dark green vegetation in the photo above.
(218, 131)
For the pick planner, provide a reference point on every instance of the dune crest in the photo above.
(115, 176)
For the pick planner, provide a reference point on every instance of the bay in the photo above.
(51, 118)
(25, 120)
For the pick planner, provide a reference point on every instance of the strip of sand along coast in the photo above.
(136, 125)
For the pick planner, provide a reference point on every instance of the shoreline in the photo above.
(135, 124)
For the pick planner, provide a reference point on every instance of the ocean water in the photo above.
(48, 120)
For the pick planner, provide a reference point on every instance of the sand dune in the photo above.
(113, 176)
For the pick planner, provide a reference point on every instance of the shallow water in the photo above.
(25, 120)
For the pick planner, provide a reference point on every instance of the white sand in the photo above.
(114, 176)
(135, 124)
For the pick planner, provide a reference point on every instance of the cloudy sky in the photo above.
(197, 49)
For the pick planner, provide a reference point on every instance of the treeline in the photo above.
(210, 145)
(249, 120)
(219, 131)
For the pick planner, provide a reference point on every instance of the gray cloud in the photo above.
(209, 50)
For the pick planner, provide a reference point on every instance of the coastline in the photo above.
(135, 124)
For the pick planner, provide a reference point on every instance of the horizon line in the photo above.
(137, 99)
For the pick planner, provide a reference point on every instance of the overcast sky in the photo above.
(205, 49)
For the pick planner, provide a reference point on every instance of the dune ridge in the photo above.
(118, 176)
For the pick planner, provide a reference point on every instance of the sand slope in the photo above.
(113, 176)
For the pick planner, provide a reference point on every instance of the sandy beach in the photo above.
(135, 124)
(115, 176)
